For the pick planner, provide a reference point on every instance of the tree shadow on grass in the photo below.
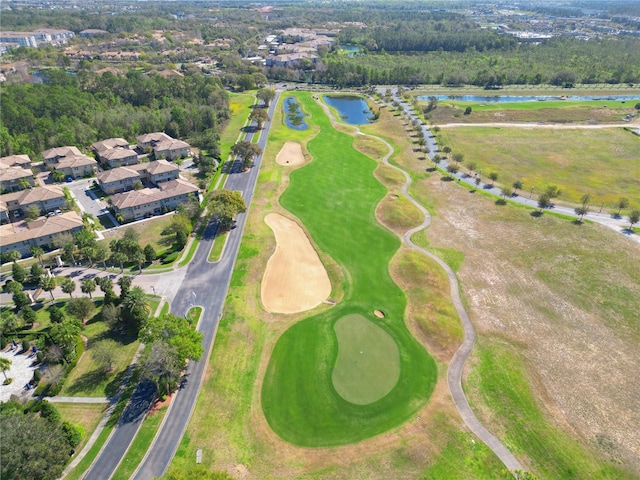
(446, 178)
(536, 213)
(87, 382)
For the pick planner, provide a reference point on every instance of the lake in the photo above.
(293, 116)
(527, 98)
(352, 109)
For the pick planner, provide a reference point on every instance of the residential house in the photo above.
(118, 180)
(157, 172)
(22, 161)
(171, 149)
(21, 236)
(163, 145)
(115, 152)
(16, 178)
(48, 199)
(147, 202)
(69, 160)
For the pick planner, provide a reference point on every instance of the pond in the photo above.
(293, 116)
(352, 109)
(349, 50)
(527, 98)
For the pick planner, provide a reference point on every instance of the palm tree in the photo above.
(120, 258)
(5, 364)
(68, 286)
(89, 286)
(48, 284)
(14, 256)
(37, 252)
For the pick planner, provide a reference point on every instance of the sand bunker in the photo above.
(295, 279)
(378, 313)
(290, 154)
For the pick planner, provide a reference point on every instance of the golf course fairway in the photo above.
(335, 198)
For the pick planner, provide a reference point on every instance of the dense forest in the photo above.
(88, 107)
(559, 61)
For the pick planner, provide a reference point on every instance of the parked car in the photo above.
(69, 179)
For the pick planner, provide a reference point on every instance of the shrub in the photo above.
(37, 375)
(170, 258)
(48, 411)
(72, 433)
(26, 345)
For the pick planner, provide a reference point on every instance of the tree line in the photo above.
(88, 107)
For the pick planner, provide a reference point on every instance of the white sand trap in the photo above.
(295, 279)
(21, 371)
(290, 154)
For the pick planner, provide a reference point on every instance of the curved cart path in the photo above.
(456, 366)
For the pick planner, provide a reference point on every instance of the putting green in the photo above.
(368, 363)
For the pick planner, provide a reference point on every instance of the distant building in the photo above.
(93, 32)
(42, 233)
(22, 39)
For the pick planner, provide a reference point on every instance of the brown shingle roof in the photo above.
(15, 161)
(117, 174)
(61, 152)
(109, 143)
(23, 231)
(169, 189)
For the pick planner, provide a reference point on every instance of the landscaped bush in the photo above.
(170, 258)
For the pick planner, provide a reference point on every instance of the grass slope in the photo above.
(338, 209)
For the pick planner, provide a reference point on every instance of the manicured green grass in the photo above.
(501, 377)
(578, 161)
(218, 246)
(86, 379)
(240, 106)
(338, 209)
(193, 247)
(193, 315)
(368, 362)
(140, 445)
(150, 233)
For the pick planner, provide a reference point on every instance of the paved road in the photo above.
(209, 283)
(130, 422)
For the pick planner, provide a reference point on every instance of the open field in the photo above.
(558, 302)
(433, 445)
(602, 163)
